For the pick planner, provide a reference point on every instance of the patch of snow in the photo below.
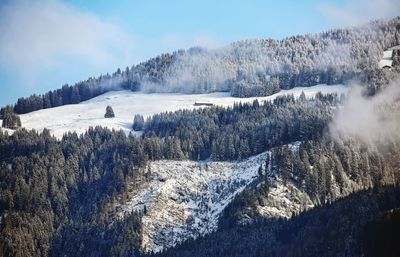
(79, 117)
(283, 200)
(387, 59)
(184, 199)
(294, 146)
(9, 131)
(387, 55)
(383, 63)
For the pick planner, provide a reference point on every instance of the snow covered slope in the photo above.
(184, 199)
(79, 117)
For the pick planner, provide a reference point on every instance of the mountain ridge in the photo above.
(245, 68)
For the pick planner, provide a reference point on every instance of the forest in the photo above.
(59, 197)
(244, 68)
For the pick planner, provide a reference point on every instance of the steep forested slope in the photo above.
(342, 228)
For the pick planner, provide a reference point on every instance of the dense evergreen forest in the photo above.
(57, 196)
(244, 68)
(244, 130)
(60, 197)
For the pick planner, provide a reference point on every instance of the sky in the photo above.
(45, 44)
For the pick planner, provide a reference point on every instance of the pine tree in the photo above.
(10, 119)
(109, 112)
(138, 122)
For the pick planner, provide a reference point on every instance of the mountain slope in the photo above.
(245, 68)
(79, 117)
(338, 229)
(184, 199)
(274, 178)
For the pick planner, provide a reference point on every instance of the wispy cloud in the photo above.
(371, 119)
(354, 12)
(36, 36)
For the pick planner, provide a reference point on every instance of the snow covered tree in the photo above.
(109, 112)
(10, 119)
(138, 122)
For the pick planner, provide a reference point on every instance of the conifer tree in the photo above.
(10, 119)
(109, 112)
(138, 122)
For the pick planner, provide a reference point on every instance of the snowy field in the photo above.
(79, 117)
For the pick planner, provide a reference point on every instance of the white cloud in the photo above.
(354, 12)
(35, 36)
(371, 119)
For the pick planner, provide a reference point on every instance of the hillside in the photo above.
(259, 148)
(126, 104)
(245, 68)
(358, 225)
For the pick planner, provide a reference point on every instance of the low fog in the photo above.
(370, 119)
(334, 53)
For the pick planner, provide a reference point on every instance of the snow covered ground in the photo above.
(79, 117)
(387, 59)
(9, 131)
(184, 199)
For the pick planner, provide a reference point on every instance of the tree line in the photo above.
(237, 132)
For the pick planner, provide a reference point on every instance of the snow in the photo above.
(294, 146)
(387, 59)
(9, 131)
(284, 200)
(185, 198)
(79, 117)
(387, 55)
(383, 63)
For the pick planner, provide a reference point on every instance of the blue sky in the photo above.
(48, 43)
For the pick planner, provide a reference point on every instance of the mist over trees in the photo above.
(244, 68)
(262, 67)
